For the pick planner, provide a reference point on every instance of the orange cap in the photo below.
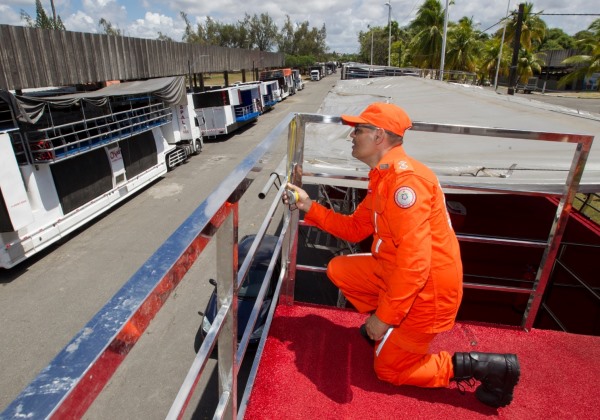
(390, 117)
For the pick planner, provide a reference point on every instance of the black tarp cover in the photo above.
(29, 109)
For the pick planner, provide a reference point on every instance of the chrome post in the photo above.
(227, 260)
(557, 230)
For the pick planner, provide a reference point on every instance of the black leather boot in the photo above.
(498, 373)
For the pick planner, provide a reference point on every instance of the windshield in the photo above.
(252, 283)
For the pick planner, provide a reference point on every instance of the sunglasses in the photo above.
(357, 128)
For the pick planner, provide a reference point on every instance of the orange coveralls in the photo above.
(412, 278)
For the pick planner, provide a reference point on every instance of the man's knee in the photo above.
(389, 372)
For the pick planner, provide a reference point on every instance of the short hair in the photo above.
(394, 138)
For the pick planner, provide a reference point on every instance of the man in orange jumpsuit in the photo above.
(411, 282)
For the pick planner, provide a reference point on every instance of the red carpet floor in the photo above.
(317, 366)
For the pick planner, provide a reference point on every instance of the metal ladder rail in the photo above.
(593, 292)
(68, 139)
(582, 144)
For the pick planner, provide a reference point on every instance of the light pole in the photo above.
(371, 30)
(389, 5)
(501, 44)
(443, 57)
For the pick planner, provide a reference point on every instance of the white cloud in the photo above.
(10, 16)
(110, 10)
(154, 23)
(81, 22)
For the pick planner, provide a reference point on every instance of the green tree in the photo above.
(528, 64)
(488, 60)
(301, 62)
(310, 41)
(258, 32)
(263, 32)
(428, 27)
(190, 35)
(557, 39)
(396, 56)
(588, 62)
(163, 37)
(41, 18)
(285, 40)
(377, 38)
(533, 28)
(108, 28)
(463, 46)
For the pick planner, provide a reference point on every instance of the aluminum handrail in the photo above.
(72, 380)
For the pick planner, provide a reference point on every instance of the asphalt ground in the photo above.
(581, 101)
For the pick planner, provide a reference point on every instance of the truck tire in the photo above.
(197, 147)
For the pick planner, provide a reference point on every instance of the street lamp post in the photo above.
(443, 57)
(501, 44)
(371, 30)
(389, 5)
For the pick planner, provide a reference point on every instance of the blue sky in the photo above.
(343, 18)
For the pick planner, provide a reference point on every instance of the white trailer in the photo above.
(222, 111)
(284, 78)
(270, 93)
(65, 160)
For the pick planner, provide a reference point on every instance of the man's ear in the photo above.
(379, 136)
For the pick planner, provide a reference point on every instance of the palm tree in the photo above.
(428, 27)
(588, 62)
(533, 29)
(488, 59)
(528, 64)
(463, 46)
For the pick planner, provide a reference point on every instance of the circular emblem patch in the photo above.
(405, 197)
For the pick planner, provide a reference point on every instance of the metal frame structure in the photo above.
(70, 383)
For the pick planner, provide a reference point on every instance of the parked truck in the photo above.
(66, 159)
(222, 111)
(285, 79)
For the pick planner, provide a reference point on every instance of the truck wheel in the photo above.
(197, 146)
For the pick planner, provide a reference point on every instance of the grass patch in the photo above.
(588, 205)
(217, 79)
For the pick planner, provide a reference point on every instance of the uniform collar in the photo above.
(388, 160)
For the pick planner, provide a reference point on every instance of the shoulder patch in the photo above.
(402, 166)
(405, 197)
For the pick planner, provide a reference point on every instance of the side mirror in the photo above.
(213, 282)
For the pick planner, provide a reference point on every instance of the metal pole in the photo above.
(389, 4)
(371, 30)
(512, 82)
(442, 58)
(371, 47)
(501, 45)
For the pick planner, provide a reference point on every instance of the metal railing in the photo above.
(550, 247)
(71, 381)
(568, 280)
(64, 136)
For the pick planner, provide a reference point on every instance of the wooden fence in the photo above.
(33, 58)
